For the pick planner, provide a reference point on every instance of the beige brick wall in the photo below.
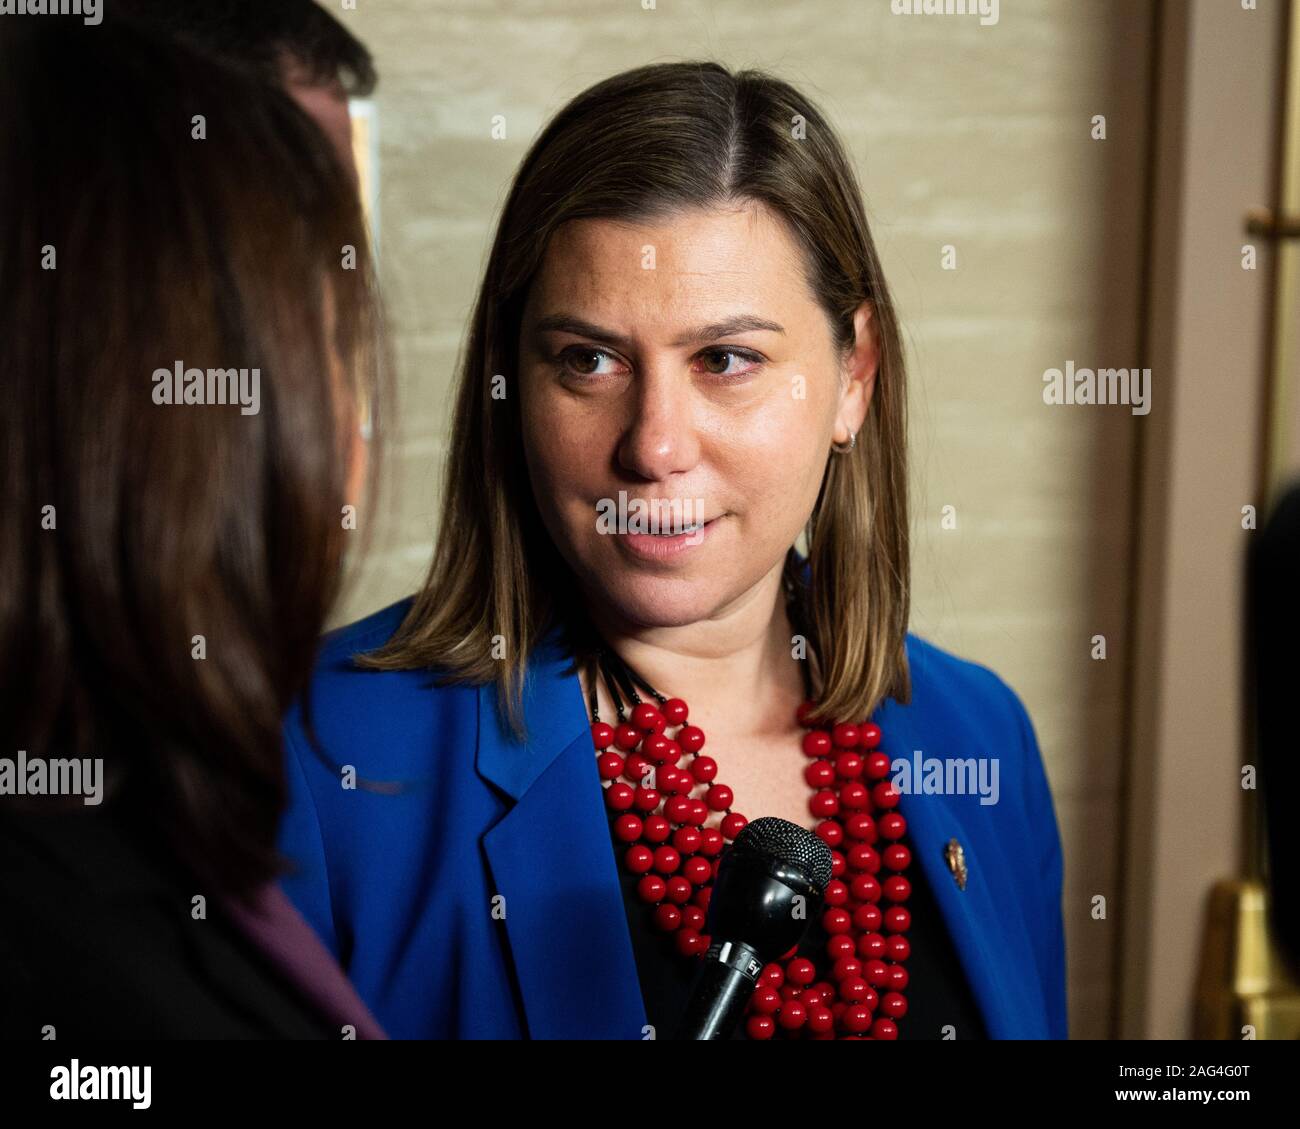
(974, 136)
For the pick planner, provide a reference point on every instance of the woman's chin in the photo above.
(657, 601)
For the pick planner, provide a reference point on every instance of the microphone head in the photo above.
(791, 844)
(770, 884)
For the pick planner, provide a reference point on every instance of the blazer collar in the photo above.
(994, 950)
(553, 860)
(554, 715)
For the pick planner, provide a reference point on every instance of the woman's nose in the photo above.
(659, 437)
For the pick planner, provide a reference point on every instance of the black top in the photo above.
(97, 940)
(937, 992)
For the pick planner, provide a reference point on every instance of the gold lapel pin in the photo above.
(956, 859)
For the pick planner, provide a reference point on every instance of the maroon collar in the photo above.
(272, 922)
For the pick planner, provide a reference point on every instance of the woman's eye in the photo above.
(588, 360)
(584, 360)
(718, 362)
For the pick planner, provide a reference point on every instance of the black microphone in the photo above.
(752, 919)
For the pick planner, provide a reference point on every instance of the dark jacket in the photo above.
(98, 940)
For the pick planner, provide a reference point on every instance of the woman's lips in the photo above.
(659, 546)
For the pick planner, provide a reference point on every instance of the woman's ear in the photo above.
(857, 375)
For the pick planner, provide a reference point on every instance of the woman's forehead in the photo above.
(697, 265)
(690, 236)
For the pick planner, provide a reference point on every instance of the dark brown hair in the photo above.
(263, 34)
(128, 243)
(646, 143)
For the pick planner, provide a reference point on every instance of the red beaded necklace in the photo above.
(856, 990)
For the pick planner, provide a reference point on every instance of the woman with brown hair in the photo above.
(182, 364)
(683, 361)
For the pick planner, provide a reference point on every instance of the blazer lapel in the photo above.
(553, 861)
(991, 951)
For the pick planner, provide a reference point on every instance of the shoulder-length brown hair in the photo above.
(158, 209)
(644, 143)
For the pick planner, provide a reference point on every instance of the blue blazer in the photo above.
(479, 896)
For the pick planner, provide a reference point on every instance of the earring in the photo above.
(844, 450)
